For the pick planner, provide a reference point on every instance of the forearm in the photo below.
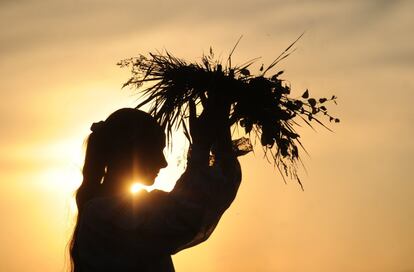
(225, 156)
(198, 156)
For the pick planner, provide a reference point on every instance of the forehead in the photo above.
(160, 139)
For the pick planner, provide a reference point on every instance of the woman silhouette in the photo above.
(118, 231)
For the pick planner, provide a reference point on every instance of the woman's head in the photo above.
(127, 146)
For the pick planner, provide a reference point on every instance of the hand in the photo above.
(211, 124)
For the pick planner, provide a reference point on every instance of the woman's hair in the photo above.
(118, 135)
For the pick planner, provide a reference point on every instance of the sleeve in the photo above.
(212, 187)
(158, 222)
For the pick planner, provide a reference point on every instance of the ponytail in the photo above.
(94, 167)
(93, 172)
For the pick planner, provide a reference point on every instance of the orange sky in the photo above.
(58, 75)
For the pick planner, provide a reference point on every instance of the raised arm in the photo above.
(164, 223)
(214, 186)
(204, 191)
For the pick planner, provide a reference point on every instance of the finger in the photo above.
(221, 108)
(203, 100)
(193, 114)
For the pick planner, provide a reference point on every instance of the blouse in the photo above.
(141, 232)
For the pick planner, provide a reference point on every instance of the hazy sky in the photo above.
(58, 75)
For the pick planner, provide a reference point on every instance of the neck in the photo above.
(115, 183)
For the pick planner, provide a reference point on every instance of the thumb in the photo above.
(193, 114)
(192, 109)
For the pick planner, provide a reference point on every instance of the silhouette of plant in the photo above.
(260, 105)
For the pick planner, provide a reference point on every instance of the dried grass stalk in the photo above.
(261, 105)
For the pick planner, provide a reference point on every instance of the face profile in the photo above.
(148, 160)
(127, 147)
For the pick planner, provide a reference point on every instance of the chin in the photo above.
(149, 181)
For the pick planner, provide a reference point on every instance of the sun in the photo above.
(137, 187)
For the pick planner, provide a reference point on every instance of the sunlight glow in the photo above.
(137, 187)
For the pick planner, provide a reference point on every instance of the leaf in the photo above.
(322, 100)
(337, 120)
(298, 104)
(266, 140)
(323, 108)
(295, 151)
(278, 74)
(242, 146)
(242, 123)
(312, 102)
(290, 105)
(245, 72)
(285, 90)
(219, 69)
(248, 127)
(261, 68)
(305, 94)
(283, 146)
